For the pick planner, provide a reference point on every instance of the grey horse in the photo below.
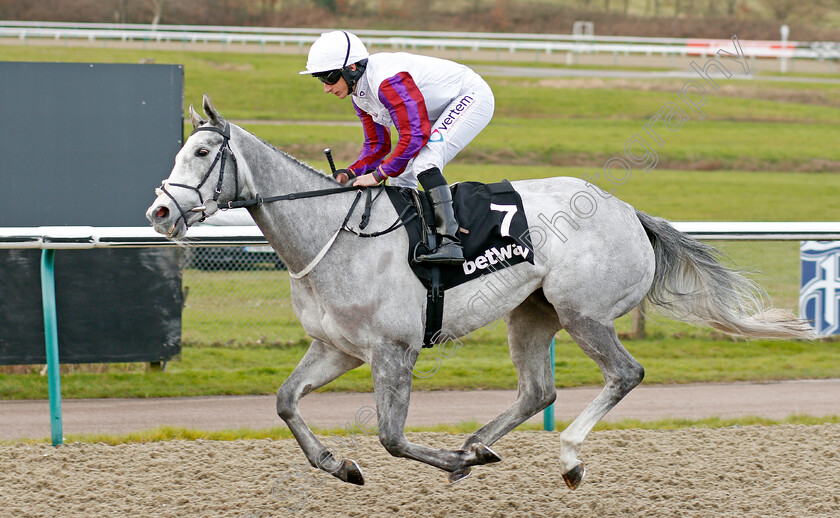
(595, 258)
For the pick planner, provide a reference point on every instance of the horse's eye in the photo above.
(202, 152)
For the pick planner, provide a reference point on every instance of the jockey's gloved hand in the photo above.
(344, 175)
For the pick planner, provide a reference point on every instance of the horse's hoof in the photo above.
(575, 476)
(456, 476)
(352, 473)
(485, 455)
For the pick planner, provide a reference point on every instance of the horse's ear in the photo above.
(215, 118)
(195, 119)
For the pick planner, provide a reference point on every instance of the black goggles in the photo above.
(329, 78)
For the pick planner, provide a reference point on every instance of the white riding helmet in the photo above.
(334, 51)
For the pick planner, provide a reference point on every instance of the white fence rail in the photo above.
(510, 42)
(70, 237)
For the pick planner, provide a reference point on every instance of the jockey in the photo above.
(437, 106)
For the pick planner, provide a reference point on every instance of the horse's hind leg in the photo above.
(391, 370)
(320, 365)
(621, 374)
(531, 326)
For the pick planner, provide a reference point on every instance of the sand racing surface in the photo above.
(786, 470)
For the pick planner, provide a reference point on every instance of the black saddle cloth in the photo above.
(494, 229)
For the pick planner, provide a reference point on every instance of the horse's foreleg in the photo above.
(320, 365)
(621, 374)
(391, 372)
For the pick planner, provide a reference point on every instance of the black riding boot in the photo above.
(449, 250)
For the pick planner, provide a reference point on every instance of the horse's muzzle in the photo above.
(164, 222)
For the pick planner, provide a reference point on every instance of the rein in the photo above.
(210, 207)
(259, 200)
(311, 194)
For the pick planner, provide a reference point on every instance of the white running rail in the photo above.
(69, 237)
(510, 42)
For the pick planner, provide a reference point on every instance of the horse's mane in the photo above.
(306, 167)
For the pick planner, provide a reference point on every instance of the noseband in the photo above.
(210, 207)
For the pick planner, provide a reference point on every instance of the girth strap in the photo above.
(434, 309)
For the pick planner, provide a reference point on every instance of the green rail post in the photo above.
(548, 413)
(51, 338)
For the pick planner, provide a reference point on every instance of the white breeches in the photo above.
(460, 122)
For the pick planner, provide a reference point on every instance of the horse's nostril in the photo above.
(162, 212)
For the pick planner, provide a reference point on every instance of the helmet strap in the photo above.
(351, 77)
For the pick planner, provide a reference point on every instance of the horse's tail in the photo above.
(691, 285)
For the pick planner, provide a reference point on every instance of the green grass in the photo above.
(481, 363)
(794, 75)
(536, 122)
(530, 98)
(479, 63)
(698, 145)
(697, 195)
(209, 316)
(276, 91)
(736, 164)
(170, 433)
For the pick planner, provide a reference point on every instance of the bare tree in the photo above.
(781, 9)
(711, 8)
(268, 6)
(157, 10)
(730, 7)
(120, 10)
(421, 8)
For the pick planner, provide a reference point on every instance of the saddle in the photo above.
(493, 232)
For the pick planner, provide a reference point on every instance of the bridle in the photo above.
(209, 207)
